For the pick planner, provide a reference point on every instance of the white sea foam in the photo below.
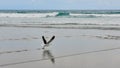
(54, 14)
(27, 14)
(95, 15)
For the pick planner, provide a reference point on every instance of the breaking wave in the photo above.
(58, 14)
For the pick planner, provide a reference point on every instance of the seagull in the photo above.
(47, 43)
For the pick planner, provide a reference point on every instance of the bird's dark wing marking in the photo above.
(51, 39)
(45, 42)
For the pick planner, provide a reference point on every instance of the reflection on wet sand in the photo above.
(48, 54)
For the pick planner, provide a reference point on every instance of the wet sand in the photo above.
(72, 48)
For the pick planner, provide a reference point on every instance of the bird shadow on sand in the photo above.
(48, 54)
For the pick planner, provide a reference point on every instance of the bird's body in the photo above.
(44, 46)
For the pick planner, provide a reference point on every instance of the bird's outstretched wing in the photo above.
(45, 42)
(51, 39)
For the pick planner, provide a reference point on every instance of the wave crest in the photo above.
(57, 14)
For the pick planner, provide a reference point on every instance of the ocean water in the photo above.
(77, 19)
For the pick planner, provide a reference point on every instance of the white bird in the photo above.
(47, 43)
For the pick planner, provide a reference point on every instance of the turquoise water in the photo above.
(71, 11)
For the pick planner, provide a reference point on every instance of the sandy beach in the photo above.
(72, 48)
